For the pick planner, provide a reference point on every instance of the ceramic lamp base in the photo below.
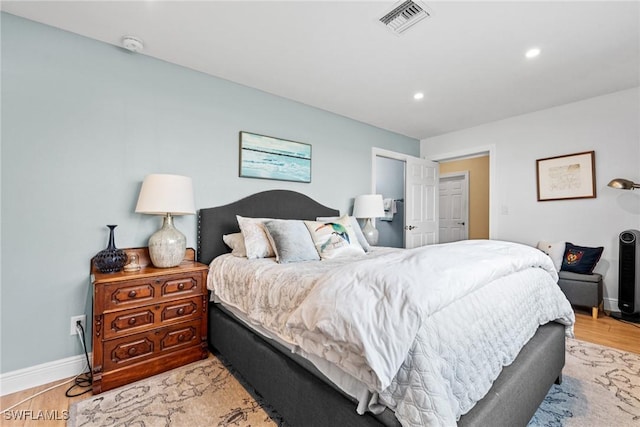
(167, 245)
(370, 232)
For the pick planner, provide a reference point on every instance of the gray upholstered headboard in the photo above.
(213, 223)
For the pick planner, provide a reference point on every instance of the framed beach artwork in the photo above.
(571, 176)
(274, 158)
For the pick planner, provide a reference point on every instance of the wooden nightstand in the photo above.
(148, 321)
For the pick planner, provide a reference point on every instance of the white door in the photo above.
(454, 207)
(421, 203)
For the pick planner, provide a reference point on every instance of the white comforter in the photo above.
(429, 329)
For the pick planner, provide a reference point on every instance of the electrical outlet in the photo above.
(74, 320)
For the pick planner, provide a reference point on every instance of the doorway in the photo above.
(454, 206)
(390, 177)
(480, 172)
(409, 185)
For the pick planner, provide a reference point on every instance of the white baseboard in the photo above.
(611, 304)
(22, 379)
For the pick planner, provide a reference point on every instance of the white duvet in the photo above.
(428, 329)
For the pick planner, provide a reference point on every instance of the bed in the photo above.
(301, 393)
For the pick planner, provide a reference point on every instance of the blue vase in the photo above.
(111, 259)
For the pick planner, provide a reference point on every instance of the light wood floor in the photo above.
(607, 331)
(604, 331)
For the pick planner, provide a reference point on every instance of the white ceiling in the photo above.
(467, 58)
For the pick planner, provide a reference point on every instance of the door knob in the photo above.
(461, 223)
(410, 227)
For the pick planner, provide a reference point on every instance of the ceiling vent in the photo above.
(404, 15)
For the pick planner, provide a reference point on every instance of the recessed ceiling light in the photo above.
(418, 96)
(532, 53)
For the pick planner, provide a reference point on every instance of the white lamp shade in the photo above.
(368, 206)
(166, 194)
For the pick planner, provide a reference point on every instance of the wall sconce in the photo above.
(623, 184)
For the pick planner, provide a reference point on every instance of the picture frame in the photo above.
(267, 157)
(570, 176)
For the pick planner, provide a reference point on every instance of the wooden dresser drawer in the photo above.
(150, 290)
(138, 347)
(139, 319)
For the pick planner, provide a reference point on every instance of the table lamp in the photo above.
(369, 206)
(167, 195)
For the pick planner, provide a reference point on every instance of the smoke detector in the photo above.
(405, 14)
(133, 44)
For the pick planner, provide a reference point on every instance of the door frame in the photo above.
(470, 152)
(465, 177)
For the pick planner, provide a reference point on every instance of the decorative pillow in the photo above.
(555, 252)
(580, 259)
(256, 241)
(236, 242)
(335, 238)
(356, 228)
(291, 241)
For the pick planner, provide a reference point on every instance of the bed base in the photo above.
(302, 398)
(293, 391)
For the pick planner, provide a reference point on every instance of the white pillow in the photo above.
(334, 239)
(256, 242)
(236, 242)
(554, 250)
(356, 228)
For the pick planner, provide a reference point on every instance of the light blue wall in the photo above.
(83, 122)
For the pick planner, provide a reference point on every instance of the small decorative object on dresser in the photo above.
(111, 259)
(167, 195)
(149, 321)
(133, 263)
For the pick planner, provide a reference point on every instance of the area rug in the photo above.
(203, 393)
(601, 387)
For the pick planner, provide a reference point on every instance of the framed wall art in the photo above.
(571, 176)
(274, 158)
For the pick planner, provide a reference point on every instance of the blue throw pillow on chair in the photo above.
(580, 259)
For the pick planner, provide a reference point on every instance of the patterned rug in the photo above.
(203, 393)
(601, 387)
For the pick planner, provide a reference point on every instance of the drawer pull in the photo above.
(181, 286)
(157, 280)
(132, 351)
(132, 321)
(132, 294)
(181, 337)
(181, 311)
